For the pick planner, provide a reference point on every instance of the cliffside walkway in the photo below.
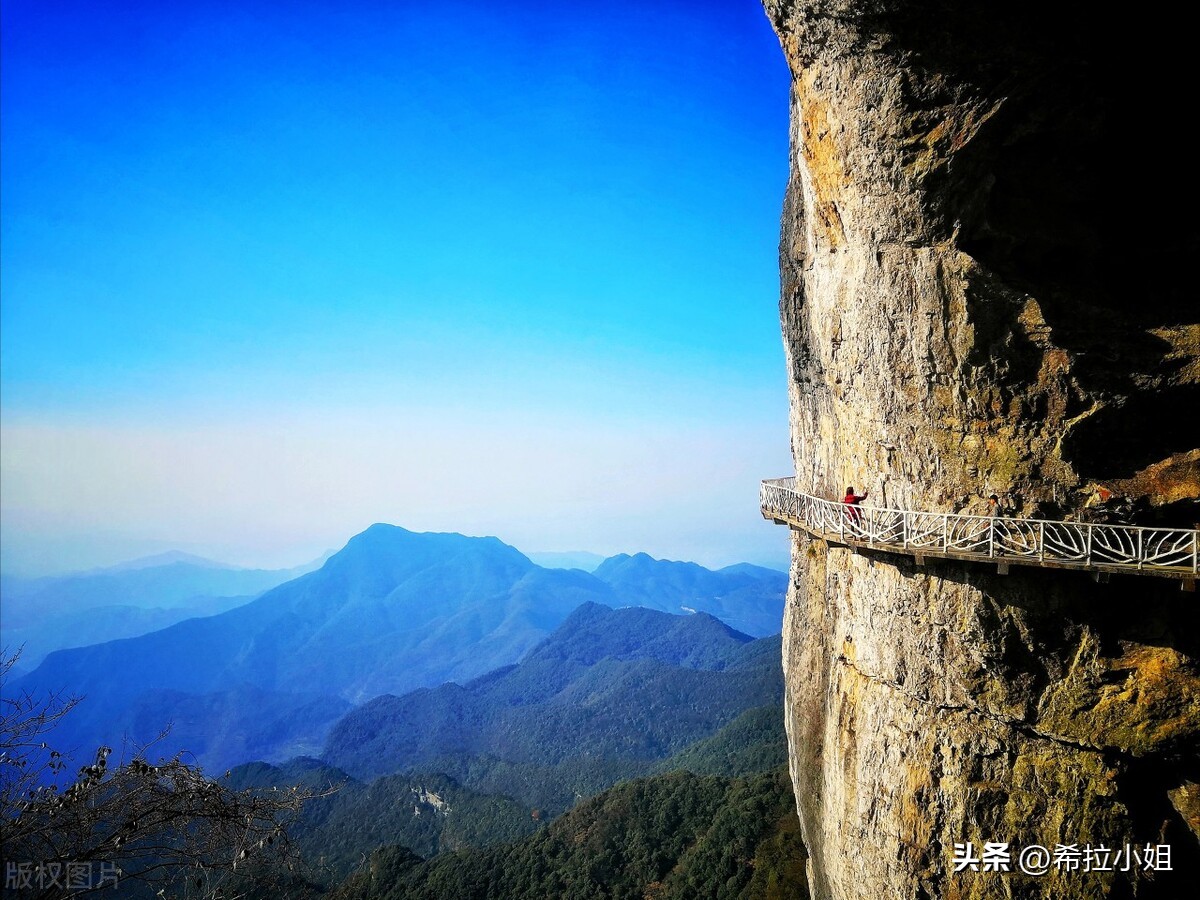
(1001, 540)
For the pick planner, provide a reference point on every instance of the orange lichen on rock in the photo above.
(1186, 800)
(822, 161)
(1170, 480)
(1140, 702)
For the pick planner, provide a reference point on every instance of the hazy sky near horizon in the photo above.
(271, 272)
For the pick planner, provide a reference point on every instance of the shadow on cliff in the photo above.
(1075, 191)
(1063, 194)
(1128, 609)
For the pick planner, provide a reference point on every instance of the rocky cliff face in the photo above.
(983, 290)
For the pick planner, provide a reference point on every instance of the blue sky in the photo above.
(274, 271)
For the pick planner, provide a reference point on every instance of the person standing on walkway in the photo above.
(852, 500)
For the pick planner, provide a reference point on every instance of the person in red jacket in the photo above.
(852, 500)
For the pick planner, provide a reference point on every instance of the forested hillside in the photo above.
(665, 838)
(427, 813)
(608, 696)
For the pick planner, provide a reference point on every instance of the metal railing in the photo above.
(1170, 552)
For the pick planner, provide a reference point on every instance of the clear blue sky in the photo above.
(274, 271)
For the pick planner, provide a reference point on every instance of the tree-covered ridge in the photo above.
(753, 743)
(606, 697)
(432, 813)
(544, 732)
(426, 813)
(672, 836)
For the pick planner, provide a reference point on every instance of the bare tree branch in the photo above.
(163, 824)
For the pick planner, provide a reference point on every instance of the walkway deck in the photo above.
(1000, 540)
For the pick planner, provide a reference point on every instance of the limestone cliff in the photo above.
(984, 290)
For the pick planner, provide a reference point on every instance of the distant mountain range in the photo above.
(41, 615)
(391, 612)
(165, 559)
(610, 695)
(569, 559)
(748, 598)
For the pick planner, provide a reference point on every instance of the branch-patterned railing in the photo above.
(1170, 552)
